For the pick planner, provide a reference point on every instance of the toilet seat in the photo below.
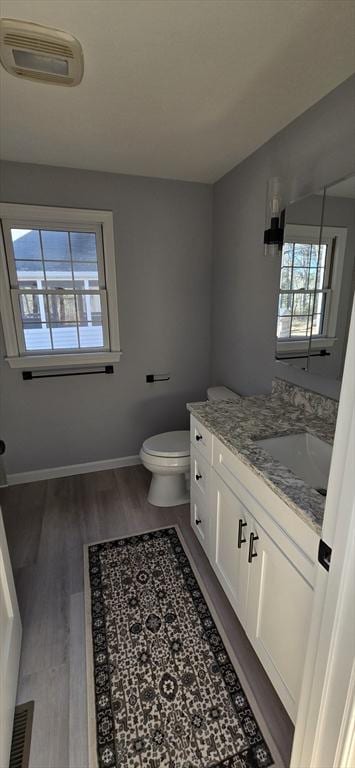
(168, 445)
(153, 463)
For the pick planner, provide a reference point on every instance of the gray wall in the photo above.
(163, 243)
(163, 232)
(314, 150)
(338, 212)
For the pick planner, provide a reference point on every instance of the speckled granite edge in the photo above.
(239, 423)
(320, 405)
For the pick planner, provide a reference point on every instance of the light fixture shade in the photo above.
(273, 235)
(273, 198)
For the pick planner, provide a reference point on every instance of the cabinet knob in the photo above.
(198, 437)
(198, 477)
(241, 539)
(197, 521)
(253, 537)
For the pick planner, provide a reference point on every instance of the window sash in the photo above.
(16, 293)
(324, 314)
(327, 293)
(9, 224)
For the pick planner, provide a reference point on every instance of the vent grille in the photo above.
(53, 48)
(39, 53)
(21, 736)
(45, 76)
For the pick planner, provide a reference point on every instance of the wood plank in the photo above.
(50, 733)
(23, 515)
(78, 735)
(69, 512)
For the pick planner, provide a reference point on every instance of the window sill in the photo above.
(326, 342)
(64, 360)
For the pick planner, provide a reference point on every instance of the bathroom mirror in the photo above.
(317, 279)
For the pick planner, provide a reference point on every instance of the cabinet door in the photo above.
(230, 523)
(278, 615)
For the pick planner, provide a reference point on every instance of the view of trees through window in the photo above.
(302, 290)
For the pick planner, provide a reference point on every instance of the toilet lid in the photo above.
(174, 444)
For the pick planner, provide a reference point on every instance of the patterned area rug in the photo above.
(166, 693)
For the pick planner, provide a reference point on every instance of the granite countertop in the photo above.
(239, 422)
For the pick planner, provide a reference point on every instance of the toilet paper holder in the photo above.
(151, 378)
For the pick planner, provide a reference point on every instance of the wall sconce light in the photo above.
(273, 235)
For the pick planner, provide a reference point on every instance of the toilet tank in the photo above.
(221, 393)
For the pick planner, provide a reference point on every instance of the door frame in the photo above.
(10, 653)
(323, 733)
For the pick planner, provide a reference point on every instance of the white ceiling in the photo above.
(344, 188)
(182, 89)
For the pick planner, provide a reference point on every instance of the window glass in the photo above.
(55, 269)
(83, 246)
(65, 335)
(37, 337)
(55, 245)
(30, 309)
(86, 270)
(90, 334)
(26, 244)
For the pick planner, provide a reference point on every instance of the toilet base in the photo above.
(168, 490)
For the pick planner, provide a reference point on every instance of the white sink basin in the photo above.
(305, 455)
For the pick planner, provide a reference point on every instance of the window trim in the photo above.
(328, 234)
(59, 217)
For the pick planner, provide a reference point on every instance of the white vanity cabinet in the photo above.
(200, 498)
(263, 558)
(200, 473)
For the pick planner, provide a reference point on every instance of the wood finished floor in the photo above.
(47, 524)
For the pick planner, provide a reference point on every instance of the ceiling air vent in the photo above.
(40, 53)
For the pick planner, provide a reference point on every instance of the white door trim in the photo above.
(322, 735)
(10, 648)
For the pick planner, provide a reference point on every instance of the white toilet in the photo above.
(167, 456)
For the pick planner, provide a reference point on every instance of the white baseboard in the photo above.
(71, 469)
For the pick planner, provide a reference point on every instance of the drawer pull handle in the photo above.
(197, 521)
(198, 437)
(253, 537)
(198, 477)
(241, 539)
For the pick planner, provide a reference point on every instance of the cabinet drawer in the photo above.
(201, 438)
(200, 518)
(200, 472)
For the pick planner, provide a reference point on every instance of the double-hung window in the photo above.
(310, 282)
(58, 286)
